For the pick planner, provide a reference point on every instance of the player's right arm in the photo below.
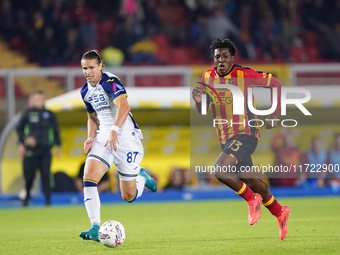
(21, 127)
(197, 95)
(92, 126)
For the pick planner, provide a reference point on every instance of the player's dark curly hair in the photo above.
(93, 54)
(223, 43)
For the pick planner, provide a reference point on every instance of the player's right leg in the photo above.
(93, 172)
(29, 166)
(233, 152)
(241, 189)
(44, 167)
(280, 212)
(132, 187)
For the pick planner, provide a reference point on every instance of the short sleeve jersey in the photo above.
(243, 78)
(100, 99)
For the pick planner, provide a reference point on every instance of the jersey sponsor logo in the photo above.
(110, 80)
(213, 90)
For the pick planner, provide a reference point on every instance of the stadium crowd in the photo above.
(56, 32)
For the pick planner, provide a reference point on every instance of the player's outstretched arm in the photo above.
(271, 121)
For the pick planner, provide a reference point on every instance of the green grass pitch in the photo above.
(206, 227)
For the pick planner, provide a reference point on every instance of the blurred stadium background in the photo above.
(158, 48)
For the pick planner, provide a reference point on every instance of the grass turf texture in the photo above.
(207, 227)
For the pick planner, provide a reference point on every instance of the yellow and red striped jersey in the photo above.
(243, 78)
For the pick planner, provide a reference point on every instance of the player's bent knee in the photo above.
(128, 196)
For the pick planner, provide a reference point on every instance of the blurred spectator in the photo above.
(286, 154)
(199, 36)
(220, 26)
(83, 17)
(333, 167)
(38, 130)
(103, 185)
(72, 46)
(291, 30)
(48, 52)
(133, 8)
(186, 177)
(269, 36)
(7, 20)
(80, 12)
(144, 51)
(315, 159)
(176, 180)
(127, 35)
(151, 20)
(173, 21)
(112, 56)
(245, 44)
(262, 30)
(329, 43)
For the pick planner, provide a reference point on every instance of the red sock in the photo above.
(273, 206)
(245, 192)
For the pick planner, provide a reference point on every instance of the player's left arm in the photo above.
(123, 112)
(262, 79)
(272, 120)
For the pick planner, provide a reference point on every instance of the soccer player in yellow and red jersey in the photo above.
(238, 134)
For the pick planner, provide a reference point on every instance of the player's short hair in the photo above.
(223, 43)
(93, 54)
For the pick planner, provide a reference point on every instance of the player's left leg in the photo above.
(133, 179)
(233, 152)
(259, 186)
(44, 167)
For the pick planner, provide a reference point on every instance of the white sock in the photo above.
(140, 183)
(92, 204)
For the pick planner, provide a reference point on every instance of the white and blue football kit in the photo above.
(129, 153)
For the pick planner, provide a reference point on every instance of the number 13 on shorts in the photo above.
(131, 156)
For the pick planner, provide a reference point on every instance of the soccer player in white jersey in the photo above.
(117, 141)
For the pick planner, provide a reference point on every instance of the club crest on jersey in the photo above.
(229, 80)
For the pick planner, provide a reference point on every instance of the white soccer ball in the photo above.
(112, 234)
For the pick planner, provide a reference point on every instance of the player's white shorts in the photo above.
(127, 158)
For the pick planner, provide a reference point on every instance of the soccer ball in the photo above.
(112, 234)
